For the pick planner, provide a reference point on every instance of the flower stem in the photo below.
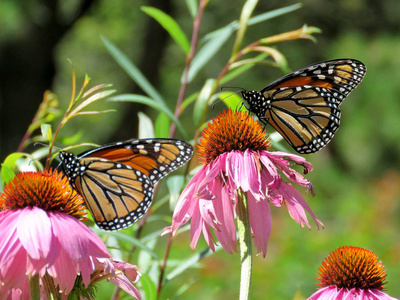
(246, 256)
(34, 287)
(51, 291)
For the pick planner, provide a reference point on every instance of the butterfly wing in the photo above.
(304, 105)
(117, 180)
(115, 194)
(155, 158)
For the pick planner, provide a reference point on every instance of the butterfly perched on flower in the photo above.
(304, 106)
(117, 180)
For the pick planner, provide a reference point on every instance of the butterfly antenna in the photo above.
(59, 164)
(233, 87)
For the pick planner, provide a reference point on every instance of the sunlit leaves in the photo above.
(169, 25)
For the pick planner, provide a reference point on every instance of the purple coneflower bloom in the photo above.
(351, 273)
(41, 235)
(234, 151)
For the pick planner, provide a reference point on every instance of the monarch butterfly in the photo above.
(304, 106)
(117, 180)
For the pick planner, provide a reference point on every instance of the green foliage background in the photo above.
(356, 178)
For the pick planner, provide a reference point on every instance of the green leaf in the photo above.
(162, 125)
(202, 101)
(6, 174)
(146, 128)
(10, 164)
(96, 97)
(73, 139)
(245, 15)
(174, 184)
(149, 287)
(184, 265)
(46, 132)
(11, 160)
(216, 39)
(128, 238)
(192, 6)
(188, 100)
(152, 103)
(170, 26)
(187, 284)
(209, 49)
(274, 13)
(133, 71)
(256, 19)
(232, 100)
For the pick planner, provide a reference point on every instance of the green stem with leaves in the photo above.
(189, 58)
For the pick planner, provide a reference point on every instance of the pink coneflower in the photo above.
(42, 238)
(234, 151)
(351, 273)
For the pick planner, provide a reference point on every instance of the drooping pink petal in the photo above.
(9, 242)
(284, 165)
(64, 272)
(260, 223)
(333, 293)
(80, 242)
(131, 271)
(234, 169)
(224, 210)
(208, 237)
(86, 267)
(123, 282)
(296, 205)
(270, 177)
(251, 173)
(299, 160)
(34, 232)
(12, 273)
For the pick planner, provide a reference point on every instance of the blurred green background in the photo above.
(356, 177)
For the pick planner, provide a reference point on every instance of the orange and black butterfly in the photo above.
(117, 180)
(304, 106)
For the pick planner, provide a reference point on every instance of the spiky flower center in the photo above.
(352, 267)
(49, 190)
(231, 131)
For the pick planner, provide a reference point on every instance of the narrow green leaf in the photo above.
(146, 128)
(170, 26)
(208, 51)
(96, 97)
(192, 6)
(232, 100)
(184, 265)
(162, 125)
(152, 103)
(174, 184)
(189, 100)
(245, 15)
(202, 101)
(73, 139)
(11, 160)
(149, 287)
(6, 174)
(216, 39)
(10, 164)
(132, 71)
(256, 19)
(46, 132)
(274, 13)
(128, 238)
(187, 284)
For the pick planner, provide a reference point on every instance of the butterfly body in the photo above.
(304, 105)
(117, 180)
